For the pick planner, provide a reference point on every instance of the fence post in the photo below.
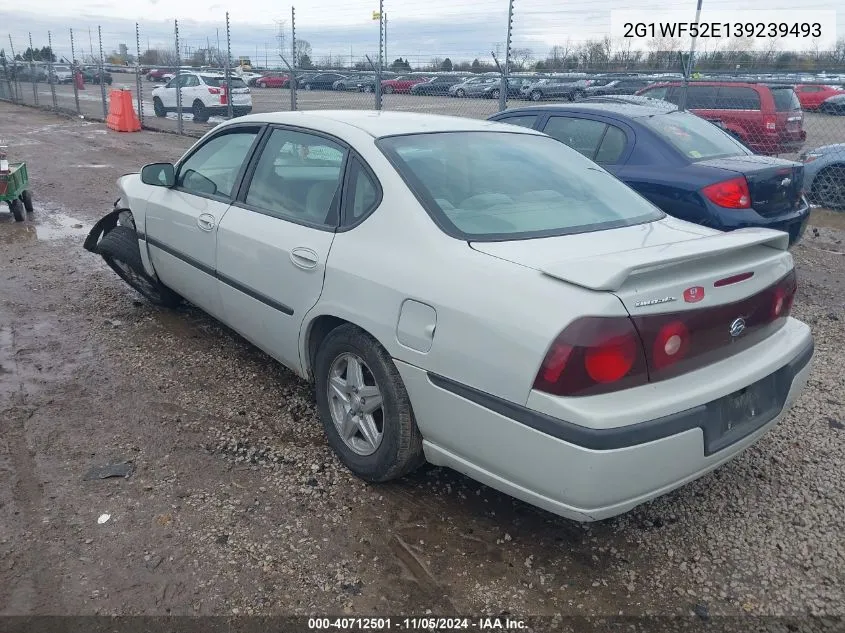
(229, 108)
(33, 77)
(177, 79)
(503, 91)
(16, 94)
(102, 73)
(682, 101)
(51, 76)
(139, 86)
(292, 80)
(377, 90)
(73, 71)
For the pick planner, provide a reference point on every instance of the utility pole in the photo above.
(90, 43)
(386, 58)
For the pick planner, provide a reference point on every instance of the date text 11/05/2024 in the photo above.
(424, 623)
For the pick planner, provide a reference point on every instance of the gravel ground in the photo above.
(235, 504)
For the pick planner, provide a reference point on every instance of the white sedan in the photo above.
(475, 295)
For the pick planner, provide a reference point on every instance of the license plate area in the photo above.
(742, 412)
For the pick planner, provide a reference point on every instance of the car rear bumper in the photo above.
(794, 223)
(591, 473)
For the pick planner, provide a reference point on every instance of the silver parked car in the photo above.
(473, 87)
(476, 295)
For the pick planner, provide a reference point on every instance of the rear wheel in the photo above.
(158, 108)
(494, 94)
(26, 198)
(536, 95)
(460, 93)
(829, 187)
(119, 247)
(200, 112)
(16, 207)
(364, 407)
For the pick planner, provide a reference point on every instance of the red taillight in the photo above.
(733, 279)
(223, 97)
(771, 122)
(730, 194)
(593, 355)
(214, 91)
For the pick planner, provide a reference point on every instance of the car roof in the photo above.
(630, 110)
(378, 124)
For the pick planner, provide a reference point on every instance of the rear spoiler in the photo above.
(611, 271)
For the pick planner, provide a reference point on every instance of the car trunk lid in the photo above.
(775, 185)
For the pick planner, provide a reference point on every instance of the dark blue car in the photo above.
(684, 164)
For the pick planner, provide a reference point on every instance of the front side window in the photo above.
(298, 178)
(213, 169)
(501, 185)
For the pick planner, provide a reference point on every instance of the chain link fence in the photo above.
(396, 56)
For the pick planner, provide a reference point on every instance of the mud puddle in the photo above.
(42, 226)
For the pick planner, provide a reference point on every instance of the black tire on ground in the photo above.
(158, 108)
(829, 187)
(16, 207)
(400, 450)
(26, 198)
(494, 94)
(388, 90)
(200, 113)
(536, 95)
(119, 247)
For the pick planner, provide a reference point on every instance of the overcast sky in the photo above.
(419, 30)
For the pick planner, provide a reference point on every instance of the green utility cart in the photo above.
(14, 191)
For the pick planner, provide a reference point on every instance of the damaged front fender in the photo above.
(103, 226)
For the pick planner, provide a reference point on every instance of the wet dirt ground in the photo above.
(235, 504)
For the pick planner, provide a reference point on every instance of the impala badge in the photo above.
(653, 302)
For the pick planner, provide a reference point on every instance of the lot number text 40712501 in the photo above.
(425, 623)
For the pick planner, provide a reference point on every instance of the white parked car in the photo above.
(62, 74)
(476, 295)
(203, 95)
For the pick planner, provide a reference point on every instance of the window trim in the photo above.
(229, 129)
(240, 200)
(346, 199)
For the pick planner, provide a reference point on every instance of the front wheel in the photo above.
(388, 90)
(364, 407)
(158, 108)
(308, 86)
(460, 93)
(119, 247)
(494, 94)
(536, 95)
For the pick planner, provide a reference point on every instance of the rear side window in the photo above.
(582, 135)
(701, 97)
(785, 99)
(737, 98)
(221, 81)
(612, 145)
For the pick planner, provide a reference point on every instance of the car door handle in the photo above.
(304, 258)
(205, 221)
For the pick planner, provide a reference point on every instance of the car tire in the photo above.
(398, 449)
(388, 90)
(119, 248)
(829, 187)
(307, 86)
(460, 93)
(369, 89)
(494, 94)
(26, 198)
(536, 95)
(17, 209)
(200, 112)
(158, 108)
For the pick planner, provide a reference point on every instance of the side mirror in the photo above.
(159, 175)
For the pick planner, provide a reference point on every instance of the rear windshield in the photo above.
(785, 99)
(499, 186)
(221, 81)
(694, 137)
